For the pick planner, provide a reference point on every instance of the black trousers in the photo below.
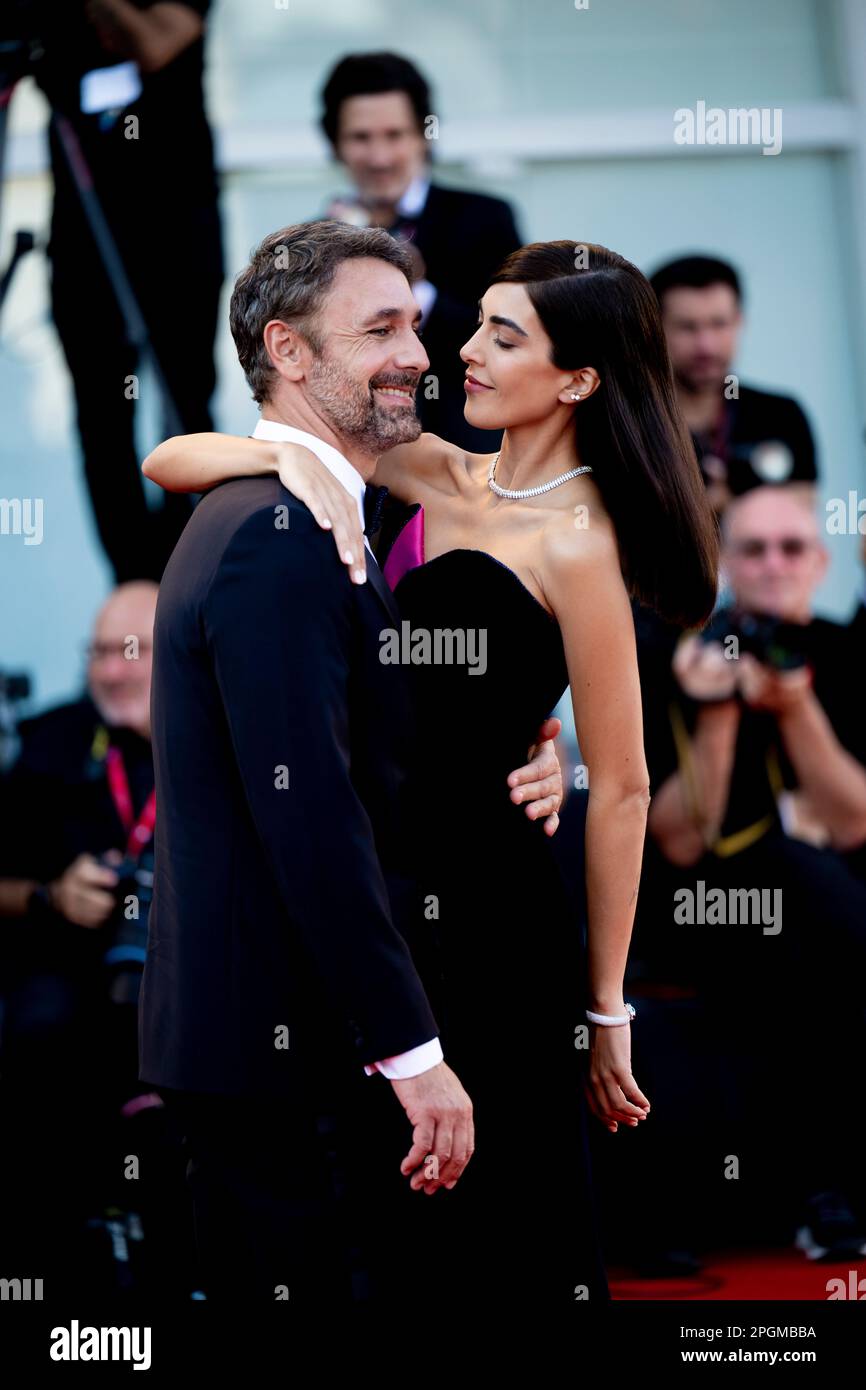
(179, 297)
(68, 1063)
(305, 1201)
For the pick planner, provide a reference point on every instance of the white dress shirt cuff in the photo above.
(425, 294)
(410, 1063)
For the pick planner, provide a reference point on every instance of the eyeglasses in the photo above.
(130, 649)
(792, 547)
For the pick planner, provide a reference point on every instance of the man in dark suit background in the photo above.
(378, 117)
(124, 79)
(275, 970)
(743, 437)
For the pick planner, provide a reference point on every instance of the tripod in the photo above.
(135, 325)
(106, 316)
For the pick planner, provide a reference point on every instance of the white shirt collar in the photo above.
(335, 462)
(413, 200)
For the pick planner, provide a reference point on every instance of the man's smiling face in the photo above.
(363, 381)
(381, 145)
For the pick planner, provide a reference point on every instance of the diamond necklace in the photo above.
(518, 492)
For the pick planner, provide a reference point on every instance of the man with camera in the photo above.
(79, 797)
(80, 813)
(761, 783)
(766, 674)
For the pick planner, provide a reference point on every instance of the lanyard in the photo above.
(139, 831)
(721, 434)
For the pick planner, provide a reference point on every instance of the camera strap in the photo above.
(723, 846)
(139, 830)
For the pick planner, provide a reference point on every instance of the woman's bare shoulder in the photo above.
(581, 538)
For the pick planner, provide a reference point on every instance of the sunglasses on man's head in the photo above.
(792, 547)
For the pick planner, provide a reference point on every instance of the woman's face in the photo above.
(510, 378)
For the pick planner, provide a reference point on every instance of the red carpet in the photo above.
(743, 1274)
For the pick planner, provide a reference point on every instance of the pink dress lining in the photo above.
(407, 552)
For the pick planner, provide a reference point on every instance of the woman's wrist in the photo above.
(606, 1003)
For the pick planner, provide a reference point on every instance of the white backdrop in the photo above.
(568, 113)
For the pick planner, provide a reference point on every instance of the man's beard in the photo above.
(352, 410)
(694, 382)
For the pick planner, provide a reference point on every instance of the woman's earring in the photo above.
(575, 395)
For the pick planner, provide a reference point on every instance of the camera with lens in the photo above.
(15, 690)
(781, 645)
(127, 926)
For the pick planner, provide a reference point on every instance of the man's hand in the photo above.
(703, 671)
(104, 17)
(443, 1133)
(153, 38)
(777, 692)
(538, 785)
(82, 892)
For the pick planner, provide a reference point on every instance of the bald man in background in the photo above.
(794, 674)
(760, 785)
(78, 802)
(60, 810)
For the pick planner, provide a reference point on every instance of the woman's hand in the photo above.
(332, 505)
(612, 1092)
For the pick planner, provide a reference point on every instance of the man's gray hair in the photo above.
(287, 278)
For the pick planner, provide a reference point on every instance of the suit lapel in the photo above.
(377, 580)
(395, 515)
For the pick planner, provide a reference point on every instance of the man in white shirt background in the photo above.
(379, 117)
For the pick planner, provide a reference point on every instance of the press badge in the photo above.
(110, 89)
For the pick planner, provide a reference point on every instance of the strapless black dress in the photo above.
(510, 942)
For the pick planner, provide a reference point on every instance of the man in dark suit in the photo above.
(377, 117)
(277, 971)
(123, 78)
(743, 437)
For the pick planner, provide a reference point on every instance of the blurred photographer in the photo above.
(79, 811)
(81, 790)
(777, 736)
(129, 131)
(762, 785)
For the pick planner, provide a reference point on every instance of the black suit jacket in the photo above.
(270, 906)
(463, 238)
(751, 420)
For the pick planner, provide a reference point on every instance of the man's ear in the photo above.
(287, 349)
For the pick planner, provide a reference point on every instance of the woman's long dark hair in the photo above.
(599, 311)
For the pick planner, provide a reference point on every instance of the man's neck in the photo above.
(303, 417)
(385, 214)
(702, 408)
(800, 614)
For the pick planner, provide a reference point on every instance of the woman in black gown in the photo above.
(510, 946)
(595, 495)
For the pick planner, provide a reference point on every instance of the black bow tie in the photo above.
(374, 501)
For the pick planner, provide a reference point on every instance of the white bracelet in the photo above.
(612, 1020)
